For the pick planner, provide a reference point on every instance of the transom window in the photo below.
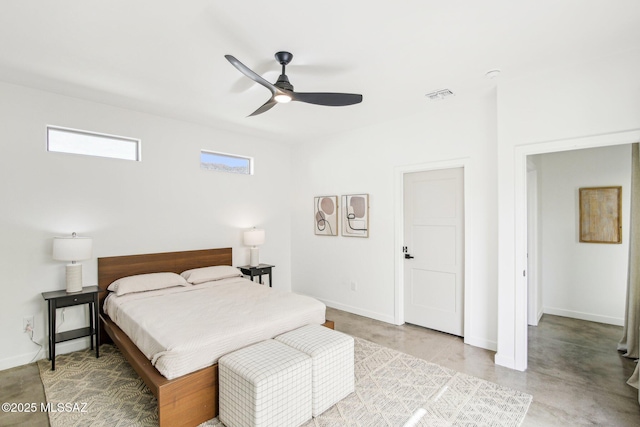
(223, 162)
(74, 141)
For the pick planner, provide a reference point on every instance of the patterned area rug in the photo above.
(390, 387)
(113, 393)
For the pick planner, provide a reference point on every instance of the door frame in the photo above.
(534, 311)
(399, 173)
(512, 332)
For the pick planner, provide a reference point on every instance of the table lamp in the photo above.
(254, 238)
(73, 248)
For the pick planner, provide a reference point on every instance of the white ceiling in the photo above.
(167, 57)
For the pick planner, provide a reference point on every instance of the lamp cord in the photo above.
(61, 323)
(30, 331)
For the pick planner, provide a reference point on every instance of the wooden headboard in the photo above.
(113, 268)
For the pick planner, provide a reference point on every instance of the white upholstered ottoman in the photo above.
(265, 384)
(332, 355)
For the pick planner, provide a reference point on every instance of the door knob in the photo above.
(407, 256)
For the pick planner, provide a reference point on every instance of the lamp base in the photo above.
(255, 257)
(74, 277)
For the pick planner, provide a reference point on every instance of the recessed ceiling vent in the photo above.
(439, 94)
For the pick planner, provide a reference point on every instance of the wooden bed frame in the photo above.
(188, 400)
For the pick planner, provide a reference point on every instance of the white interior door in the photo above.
(434, 249)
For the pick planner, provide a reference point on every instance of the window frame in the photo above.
(229, 155)
(137, 141)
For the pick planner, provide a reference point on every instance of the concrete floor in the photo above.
(22, 385)
(575, 374)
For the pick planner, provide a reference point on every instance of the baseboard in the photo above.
(26, 358)
(537, 319)
(356, 310)
(23, 359)
(474, 341)
(584, 316)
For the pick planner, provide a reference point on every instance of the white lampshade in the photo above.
(73, 248)
(254, 237)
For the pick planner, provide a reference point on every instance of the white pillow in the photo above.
(146, 282)
(208, 274)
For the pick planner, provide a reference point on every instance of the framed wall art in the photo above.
(600, 215)
(325, 214)
(355, 215)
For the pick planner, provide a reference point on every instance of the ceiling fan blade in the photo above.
(249, 73)
(327, 98)
(265, 107)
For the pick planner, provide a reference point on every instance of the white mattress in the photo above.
(184, 329)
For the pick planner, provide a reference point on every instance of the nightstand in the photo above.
(258, 270)
(61, 299)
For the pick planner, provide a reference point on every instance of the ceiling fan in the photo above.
(282, 90)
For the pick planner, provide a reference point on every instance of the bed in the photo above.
(188, 399)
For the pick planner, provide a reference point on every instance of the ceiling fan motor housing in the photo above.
(283, 83)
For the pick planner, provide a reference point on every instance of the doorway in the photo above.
(512, 331)
(434, 249)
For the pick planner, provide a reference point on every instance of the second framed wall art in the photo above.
(355, 215)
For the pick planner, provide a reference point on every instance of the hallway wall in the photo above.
(582, 280)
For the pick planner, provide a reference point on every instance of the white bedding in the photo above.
(187, 328)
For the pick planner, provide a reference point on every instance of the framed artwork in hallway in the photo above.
(600, 219)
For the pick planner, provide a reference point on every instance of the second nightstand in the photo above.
(61, 299)
(258, 270)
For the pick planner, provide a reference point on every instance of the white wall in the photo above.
(580, 106)
(164, 203)
(365, 161)
(582, 280)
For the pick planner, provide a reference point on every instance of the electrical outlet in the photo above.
(354, 285)
(27, 323)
